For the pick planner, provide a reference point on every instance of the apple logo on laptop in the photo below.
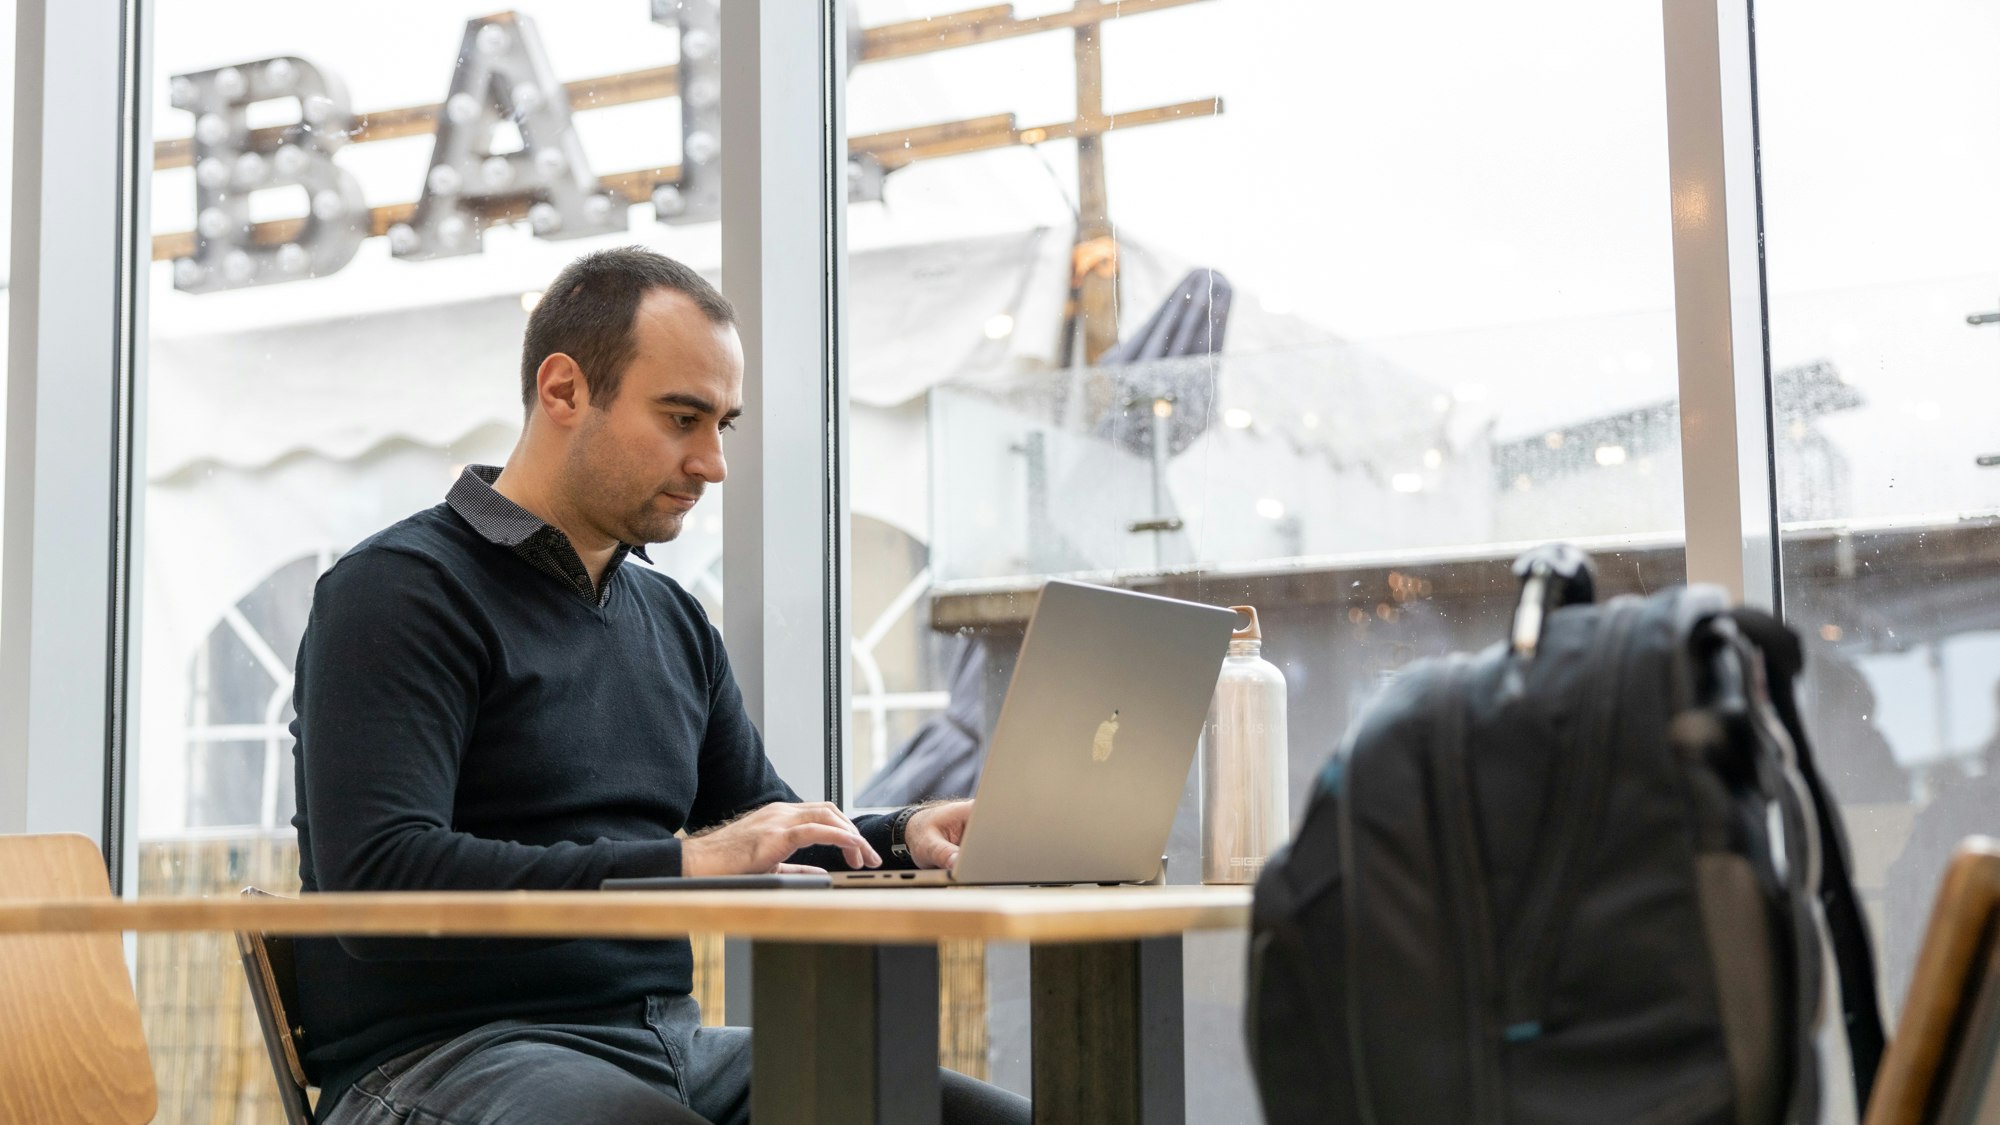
(1101, 747)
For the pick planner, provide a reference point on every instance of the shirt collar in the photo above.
(496, 518)
(500, 521)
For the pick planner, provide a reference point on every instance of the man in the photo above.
(489, 699)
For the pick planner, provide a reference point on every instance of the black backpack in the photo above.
(1588, 876)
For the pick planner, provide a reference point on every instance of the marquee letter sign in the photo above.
(229, 166)
(502, 88)
(697, 198)
(504, 76)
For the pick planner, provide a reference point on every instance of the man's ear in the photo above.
(560, 389)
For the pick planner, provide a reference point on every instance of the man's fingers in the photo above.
(829, 814)
(824, 811)
(799, 869)
(814, 832)
(946, 856)
(804, 823)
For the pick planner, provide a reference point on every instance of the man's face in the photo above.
(638, 463)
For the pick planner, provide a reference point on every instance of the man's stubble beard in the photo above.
(597, 478)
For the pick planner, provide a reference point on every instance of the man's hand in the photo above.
(758, 842)
(934, 833)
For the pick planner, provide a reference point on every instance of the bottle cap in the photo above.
(1251, 631)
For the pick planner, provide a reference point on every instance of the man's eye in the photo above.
(727, 424)
(684, 421)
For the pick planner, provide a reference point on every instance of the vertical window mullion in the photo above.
(781, 570)
(1728, 483)
(68, 522)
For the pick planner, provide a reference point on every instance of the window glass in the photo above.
(353, 217)
(1326, 308)
(1884, 282)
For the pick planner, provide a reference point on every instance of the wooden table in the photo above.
(845, 982)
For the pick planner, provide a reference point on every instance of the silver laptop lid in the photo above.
(1094, 742)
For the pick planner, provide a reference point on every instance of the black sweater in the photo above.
(467, 722)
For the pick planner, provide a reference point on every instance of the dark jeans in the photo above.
(652, 1064)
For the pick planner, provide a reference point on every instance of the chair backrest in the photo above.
(274, 990)
(1940, 1067)
(72, 1048)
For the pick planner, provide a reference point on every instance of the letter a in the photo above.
(504, 76)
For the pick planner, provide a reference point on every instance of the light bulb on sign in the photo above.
(249, 170)
(492, 40)
(328, 205)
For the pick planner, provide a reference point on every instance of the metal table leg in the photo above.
(844, 1034)
(1108, 1035)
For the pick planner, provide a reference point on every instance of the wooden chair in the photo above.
(1940, 1067)
(72, 1049)
(274, 990)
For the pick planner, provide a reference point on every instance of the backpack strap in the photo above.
(1846, 926)
(1462, 870)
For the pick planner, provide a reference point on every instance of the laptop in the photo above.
(1092, 750)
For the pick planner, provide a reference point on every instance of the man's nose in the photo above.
(707, 463)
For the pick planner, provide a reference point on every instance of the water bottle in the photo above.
(1245, 797)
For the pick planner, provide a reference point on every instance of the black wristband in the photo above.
(898, 847)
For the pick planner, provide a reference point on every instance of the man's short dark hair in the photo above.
(587, 311)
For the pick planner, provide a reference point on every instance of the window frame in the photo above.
(72, 520)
